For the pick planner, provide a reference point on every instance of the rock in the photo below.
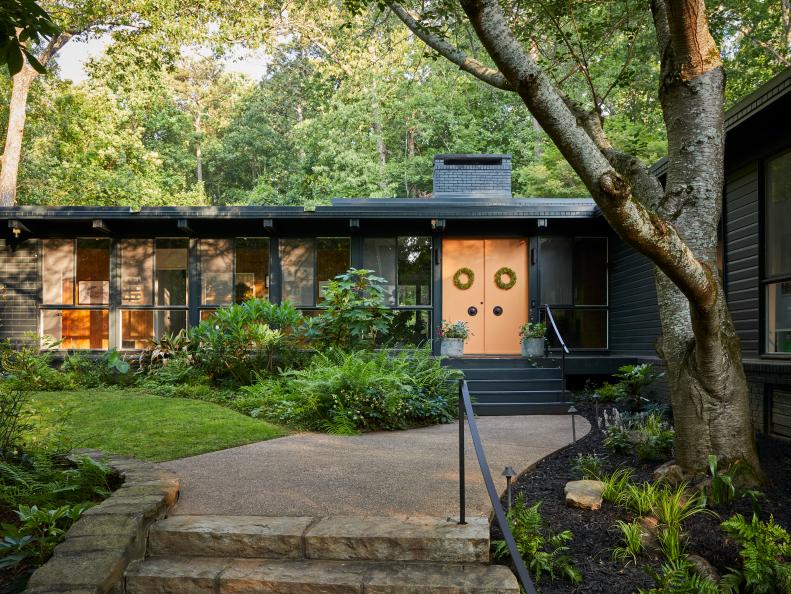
(585, 494)
(703, 568)
(648, 525)
(670, 473)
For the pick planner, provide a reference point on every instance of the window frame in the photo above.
(315, 284)
(395, 238)
(573, 306)
(75, 306)
(764, 280)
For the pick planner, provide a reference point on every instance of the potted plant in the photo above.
(532, 334)
(453, 335)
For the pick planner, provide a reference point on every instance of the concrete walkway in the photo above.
(396, 473)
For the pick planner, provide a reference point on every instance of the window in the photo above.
(308, 264)
(153, 289)
(252, 268)
(379, 255)
(777, 255)
(76, 292)
(216, 269)
(573, 280)
(414, 271)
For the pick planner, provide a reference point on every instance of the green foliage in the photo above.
(674, 505)
(38, 533)
(726, 486)
(632, 538)
(589, 466)
(14, 418)
(765, 552)
(634, 379)
(241, 340)
(640, 498)
(458, 329)
(609, 392)
(678, 577)
(362, 391)
(615, 484)
(28, 368)
(533, 330)
(649, 435)
(22, 22)
(671, 543)
(354, 312)
(543, 551)
(168, 346)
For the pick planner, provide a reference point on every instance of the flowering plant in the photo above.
(457, 329)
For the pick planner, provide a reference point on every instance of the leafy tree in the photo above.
(22, 22)
(675, 225)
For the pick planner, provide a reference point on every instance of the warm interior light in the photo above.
(17, 232)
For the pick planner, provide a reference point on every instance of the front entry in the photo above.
(493, 312)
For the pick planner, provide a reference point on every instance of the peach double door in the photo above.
(494, 313)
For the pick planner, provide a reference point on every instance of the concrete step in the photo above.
(513, 385)
(512, 373)
(331, 538)
(501, 362)
(517, 397)
(207, 575)
(524, 408)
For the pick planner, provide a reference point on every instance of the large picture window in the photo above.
(76, 292)
(777, 254)
(153, 289)
(573, 280)
(252, 268)
(405, 264)
(309, 264)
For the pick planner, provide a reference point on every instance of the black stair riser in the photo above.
(514, 385)
(494, 362)
(517, 397)
(532, 408)
(510, 374)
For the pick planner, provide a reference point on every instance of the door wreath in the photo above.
(463, 272)
(498, 278)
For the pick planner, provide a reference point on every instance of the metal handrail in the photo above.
(465, 410)
(564, 350)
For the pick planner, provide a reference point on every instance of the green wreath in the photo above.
(457, 278)
(498, 278)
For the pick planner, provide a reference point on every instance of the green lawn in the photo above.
(131, 422)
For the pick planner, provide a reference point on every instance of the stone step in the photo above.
(207, 575)
(330, 538)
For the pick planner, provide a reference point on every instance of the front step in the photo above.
(500, 362)
(511, 373)
(332, 538)
(190, 575)
(501, 409)
(476, 386)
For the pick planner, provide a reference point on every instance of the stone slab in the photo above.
(149, 506)
(585, 494)
(174, 575)
(230, 536)
(247, 576)
(88, 570)
(418, 538)
(419, 578)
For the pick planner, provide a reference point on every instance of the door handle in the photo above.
(498, 311)
(472, 310)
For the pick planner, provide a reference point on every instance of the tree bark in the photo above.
(17, 113)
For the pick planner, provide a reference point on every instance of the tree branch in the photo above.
(462, 60)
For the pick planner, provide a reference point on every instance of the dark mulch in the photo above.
(595, 534)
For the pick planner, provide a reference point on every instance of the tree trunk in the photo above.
(17, 113)
(411, 150)
(198, 151)
(376, 129)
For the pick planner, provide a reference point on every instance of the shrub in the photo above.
(765, 555)
(82, 371)
(634, 379)
(14, 418)
(649, 435)
(590, 466)
(243, 339)
(344, 392)
(544, 552)
(632, 538)
(678, 577)
(354, 312)
(615, 484)
(160, 351)
(29, 368)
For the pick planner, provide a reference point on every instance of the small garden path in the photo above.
(412, 472)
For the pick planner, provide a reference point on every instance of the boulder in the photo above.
(585, 494)
(670, 473)
(703, 568)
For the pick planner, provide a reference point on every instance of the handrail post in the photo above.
(462, 486)
(563, 372)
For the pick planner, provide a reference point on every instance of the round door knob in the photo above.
(498, 311)
(472, 310)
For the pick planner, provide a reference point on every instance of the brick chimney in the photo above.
(472, 177)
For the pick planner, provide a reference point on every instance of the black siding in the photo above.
(20, 282)
(634, 314)
(742, 261)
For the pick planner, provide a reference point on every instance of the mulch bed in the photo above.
(595, 533)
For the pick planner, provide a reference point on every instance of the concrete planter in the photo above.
(532, 347)
(452, 347)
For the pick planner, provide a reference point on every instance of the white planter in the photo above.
(532, 347)
(451, 347)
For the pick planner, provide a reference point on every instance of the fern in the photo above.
(765, 554)
(678, 577)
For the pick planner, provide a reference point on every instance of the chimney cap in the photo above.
(472, 157)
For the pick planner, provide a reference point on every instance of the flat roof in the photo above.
(367, 208)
